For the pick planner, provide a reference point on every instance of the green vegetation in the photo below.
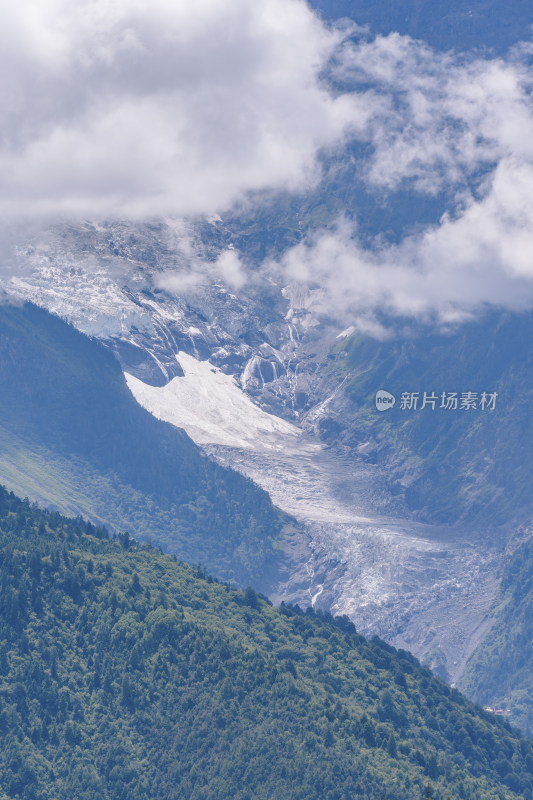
(448, 465)
(500, 672)
(124, 674)
(73, 437)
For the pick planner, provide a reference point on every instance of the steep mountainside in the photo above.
(73, 436)
(295, 363)
(500, 672)
(354, 478)
(450, 463)
(127, 675)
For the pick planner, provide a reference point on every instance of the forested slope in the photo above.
(449, 464)
(73, 437)
(500, 671)
(125, 674)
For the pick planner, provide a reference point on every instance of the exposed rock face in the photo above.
(355, 548)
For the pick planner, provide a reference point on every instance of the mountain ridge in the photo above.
(67, 417)
(124, 674)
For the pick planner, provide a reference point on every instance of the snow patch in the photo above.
(90, 300)
(348, 332)
(212, 409)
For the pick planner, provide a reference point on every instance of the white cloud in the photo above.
(460, 124)
(128, 109)
(441, 116)
(481, 257)
(170, 107)
(195, 271)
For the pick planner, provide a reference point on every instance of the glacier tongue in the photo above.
(393, 577)
(351, 550)
(425, 588)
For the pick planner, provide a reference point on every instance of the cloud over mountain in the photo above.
(460, 125)
(172, 109)
(138, 109)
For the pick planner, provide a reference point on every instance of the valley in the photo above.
(426, 588)
(249, 376)
(266, 392)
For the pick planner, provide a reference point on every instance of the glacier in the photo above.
(245, 373)
(211, 408)
(394, 577)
